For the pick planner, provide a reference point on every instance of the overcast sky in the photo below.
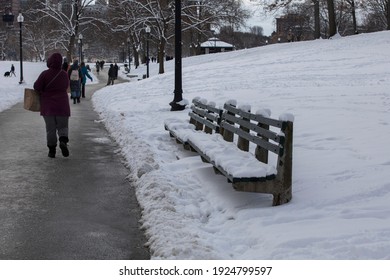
(259, 18)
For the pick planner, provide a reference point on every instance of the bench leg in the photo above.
(281, 194)
(284, 196)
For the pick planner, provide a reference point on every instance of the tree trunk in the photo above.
(135, 51)
(332, 18)
(75, 21)
(388, 14)
(354, 16)
(69, 52)
(317, 28)
(136, 57)
(161, 52)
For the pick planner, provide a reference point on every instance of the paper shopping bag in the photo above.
(31, 100)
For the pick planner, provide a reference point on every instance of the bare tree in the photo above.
(132, 17)
(352, 5)
(159, 15)
(257, 30)
(317, 24)
(331, 18)
(272, 5)
(68, 17)
(378, 11)
(125, 18)
(388, 15)
(3, 40)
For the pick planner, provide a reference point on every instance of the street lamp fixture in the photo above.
(20, 19)
(147, 30)
(178, 92)
(81, 47)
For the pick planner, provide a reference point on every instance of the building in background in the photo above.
(292, 27)
(10, 10)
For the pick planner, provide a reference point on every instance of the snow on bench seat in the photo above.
(237, 165)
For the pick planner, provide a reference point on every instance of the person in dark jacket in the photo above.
(116, 70)
(97, 67)
(111, 75)
(12, 70)
(84, 75)
(65, 66)
(52, 85)
(75, 81)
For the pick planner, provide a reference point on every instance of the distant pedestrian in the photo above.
(12, 71)
(74, 74)
(52, 85)
(111, 75)
(84, 75)
(127, 69)
(116, 70)
(290, 37)
(97, 67)
(65, 66)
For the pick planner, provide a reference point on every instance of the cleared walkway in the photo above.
(80, 207)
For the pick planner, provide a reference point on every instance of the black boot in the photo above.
(64, 146)
(52, 151)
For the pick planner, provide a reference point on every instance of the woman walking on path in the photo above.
(84, 75)
(52, 85)
(75, 81)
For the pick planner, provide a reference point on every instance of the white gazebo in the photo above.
(214, 45)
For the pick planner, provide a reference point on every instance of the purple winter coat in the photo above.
(54, 98)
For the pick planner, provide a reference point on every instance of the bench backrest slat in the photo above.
(254, 117)
(254, 127)
(203, 121)
(206, 106)
(204, 116)
(252, 138)
(202, 112)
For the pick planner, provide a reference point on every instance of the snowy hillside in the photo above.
(338, 91)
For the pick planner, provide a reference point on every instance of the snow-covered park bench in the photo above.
(237, 143)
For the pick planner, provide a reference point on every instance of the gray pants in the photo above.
(56, 125)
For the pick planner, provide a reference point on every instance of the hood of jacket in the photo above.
(55, 61)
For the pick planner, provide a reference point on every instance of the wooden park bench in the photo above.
(237, 143)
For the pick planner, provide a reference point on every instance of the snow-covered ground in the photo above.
(339, 92)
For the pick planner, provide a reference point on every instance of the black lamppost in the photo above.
(123, 53)
(81, 47)
(178, 92)
(128, 52)
(147, 30)
(20, 20)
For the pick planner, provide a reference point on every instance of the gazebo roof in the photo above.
(215, 42)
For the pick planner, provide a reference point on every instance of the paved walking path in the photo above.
(80, 207)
